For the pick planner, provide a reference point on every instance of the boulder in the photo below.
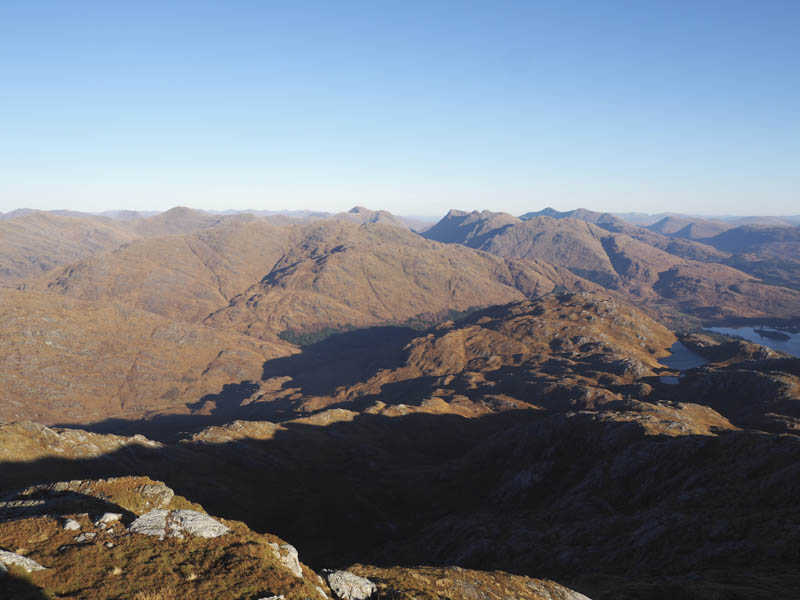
(157, 494)
(107, 518)
(348, 586)
(71, 525)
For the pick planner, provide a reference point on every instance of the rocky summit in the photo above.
(253, 406)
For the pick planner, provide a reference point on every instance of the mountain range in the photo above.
(494, 397)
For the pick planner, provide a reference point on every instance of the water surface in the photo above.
(681, 359)
(765, 338)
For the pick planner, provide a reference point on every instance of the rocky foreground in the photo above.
(132, 537)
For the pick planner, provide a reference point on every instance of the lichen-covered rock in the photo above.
(287, 554)
(12, 558)
(152, 523)
(349, 586)
(157, 494)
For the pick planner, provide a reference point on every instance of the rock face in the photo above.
(14, 559)
(178, 524)
(349, 586)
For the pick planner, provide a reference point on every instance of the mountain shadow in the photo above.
(342, 359)
(226, 403)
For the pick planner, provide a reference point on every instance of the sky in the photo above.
(413, 107)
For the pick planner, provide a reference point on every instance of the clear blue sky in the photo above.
(415, 107)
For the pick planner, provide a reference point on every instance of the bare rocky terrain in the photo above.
(308, 406)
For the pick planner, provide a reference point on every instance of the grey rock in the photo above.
(12, 558)
(157, 495)
(85, 537)
(177, 524)
(71, 525)
(152, 523)
(197, 524)
(287, 554)
(349, 586)
(3, 569)
(107, 518)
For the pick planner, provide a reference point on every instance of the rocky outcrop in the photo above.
(288, 556)
(349, 586)
(162, 523)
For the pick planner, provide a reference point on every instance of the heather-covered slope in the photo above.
(67, 360)
(259, 279)
(337, 275)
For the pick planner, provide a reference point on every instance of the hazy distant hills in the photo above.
(184, 277)
(34, 243)
(689, 228)
(678, 265)
(622, 257)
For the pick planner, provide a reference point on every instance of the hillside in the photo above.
(76, 361)
(38, 242)
(338, 275)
